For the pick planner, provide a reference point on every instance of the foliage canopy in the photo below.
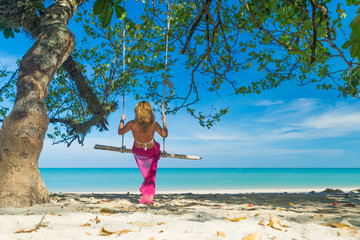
(215, 40)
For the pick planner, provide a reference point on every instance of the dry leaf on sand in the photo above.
(339, 225)
(85, 225)
(142, 224)
(124, 232)
(37, 226)
(26, 231)
(104, 232)
(342, 226)
(316, 216)
(252, 236)
(220, 234)
(104, 210)
(276, 223)
(235, 219)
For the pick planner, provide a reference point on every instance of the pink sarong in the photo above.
(147, 161)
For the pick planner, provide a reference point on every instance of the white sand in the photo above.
(272, 215)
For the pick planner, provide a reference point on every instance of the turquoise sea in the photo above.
(170, 179)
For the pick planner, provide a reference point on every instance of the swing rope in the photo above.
(165, 82)
(123, 77)
(165, 79)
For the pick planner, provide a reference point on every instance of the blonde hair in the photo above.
(144, 115)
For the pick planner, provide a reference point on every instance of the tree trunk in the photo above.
(23, 131)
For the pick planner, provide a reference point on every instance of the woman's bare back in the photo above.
(141, 137)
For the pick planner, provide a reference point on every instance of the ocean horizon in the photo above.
(192, 179)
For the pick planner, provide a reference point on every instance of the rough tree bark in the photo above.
(23, 131)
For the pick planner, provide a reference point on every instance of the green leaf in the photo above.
(6, 33)
(355, 23)
(354, 50)
(100, 6)
(346, 45)
(11, 33)
(106, 17)
(356, 31)
(120, 12)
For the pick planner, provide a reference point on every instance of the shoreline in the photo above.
(226, 191)
(195, 215)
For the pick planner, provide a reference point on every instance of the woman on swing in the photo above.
(145, 149)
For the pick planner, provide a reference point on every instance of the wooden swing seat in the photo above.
(163, 154)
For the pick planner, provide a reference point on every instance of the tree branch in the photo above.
(196, 23)
(260, 26)
(333, 45)
(79, 130)
(85, 91)
(313, 19)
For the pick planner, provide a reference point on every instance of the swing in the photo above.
(166, 81)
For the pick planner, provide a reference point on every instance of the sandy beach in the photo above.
(268, 215)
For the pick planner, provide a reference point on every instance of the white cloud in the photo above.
(288, 111)
(302, 119)
(220, 136)
(299, 105)
(335, 120)
(268, 103)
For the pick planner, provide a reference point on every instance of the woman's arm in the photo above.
(162, 131)
(124, 129)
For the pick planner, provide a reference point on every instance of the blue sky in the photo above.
(289, 126)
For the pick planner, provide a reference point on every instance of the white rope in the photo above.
(123, 82)
(123, 75)
(165, 79)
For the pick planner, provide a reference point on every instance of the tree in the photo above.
(285, 40)
(23, 130)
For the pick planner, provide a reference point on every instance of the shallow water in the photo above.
(171, 179)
